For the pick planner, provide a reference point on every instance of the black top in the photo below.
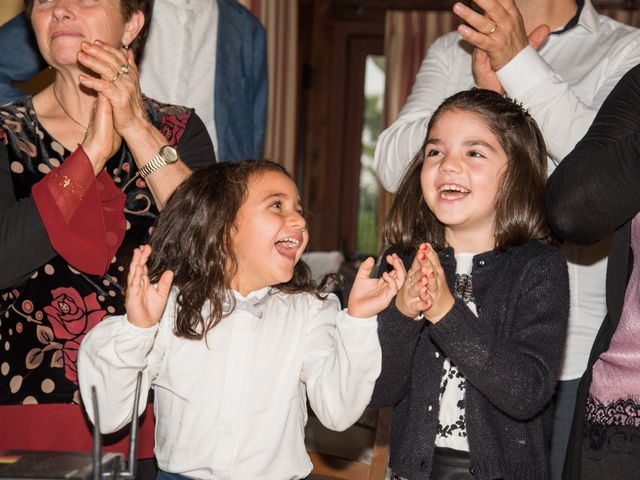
(596, 191)
(509, 355)
(46, 306)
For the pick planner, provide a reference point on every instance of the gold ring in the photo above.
(124, 69)
(493, 29)
(115, 77)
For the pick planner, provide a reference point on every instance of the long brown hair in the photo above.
(193, 238)
(520, 214)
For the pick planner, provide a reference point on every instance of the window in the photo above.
(369, 188)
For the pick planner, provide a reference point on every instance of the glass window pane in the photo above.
(368, 221)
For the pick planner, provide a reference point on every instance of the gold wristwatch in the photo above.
(166, 156)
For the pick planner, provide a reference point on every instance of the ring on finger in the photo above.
(124, 69)
(115, 77)
(493, 29)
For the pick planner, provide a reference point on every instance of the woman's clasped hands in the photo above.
(425, 291)
(118, 110)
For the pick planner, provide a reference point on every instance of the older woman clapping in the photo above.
(85, 166)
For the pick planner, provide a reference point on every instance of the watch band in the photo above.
(152, 165)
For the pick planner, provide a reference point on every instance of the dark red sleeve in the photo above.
(83, 214)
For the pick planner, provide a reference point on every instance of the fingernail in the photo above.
(458, 7)
(464, 30)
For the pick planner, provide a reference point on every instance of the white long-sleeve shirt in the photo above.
(562, 85)
(235, 406)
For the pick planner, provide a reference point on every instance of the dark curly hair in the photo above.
(520, 212)
(127, 7)
(193, 238)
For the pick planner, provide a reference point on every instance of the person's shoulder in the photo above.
(616, 31)
(19, 108)
(158, 107)
(537, 251)
(16, 118)
(170, 119)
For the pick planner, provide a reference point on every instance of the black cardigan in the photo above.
(510, 357)
(596, 191)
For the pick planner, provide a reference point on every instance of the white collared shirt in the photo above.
(179, 61)
(562, 85)
(235, 406)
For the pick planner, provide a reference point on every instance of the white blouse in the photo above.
(234, 407)
(452, 427)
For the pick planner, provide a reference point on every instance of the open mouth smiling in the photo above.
(452, 191)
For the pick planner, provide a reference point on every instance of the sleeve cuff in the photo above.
(131, 330)
(356, 322)
(83, 214)
(526, 70)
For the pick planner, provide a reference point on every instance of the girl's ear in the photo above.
(132, 27)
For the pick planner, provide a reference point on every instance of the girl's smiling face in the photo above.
(461, 174)
(270, 233)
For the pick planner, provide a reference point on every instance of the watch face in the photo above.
(169, 154)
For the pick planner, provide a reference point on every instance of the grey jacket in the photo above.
(510, 356)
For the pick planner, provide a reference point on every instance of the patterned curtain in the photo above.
(408, 35)
(280, 18)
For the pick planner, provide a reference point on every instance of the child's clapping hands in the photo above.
(425, 290)
(369, 296)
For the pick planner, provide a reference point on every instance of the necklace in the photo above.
(55, 95)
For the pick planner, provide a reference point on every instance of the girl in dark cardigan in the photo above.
(472, 345)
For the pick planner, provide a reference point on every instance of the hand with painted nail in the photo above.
(369, 296)
(408, 300)
(436, 295)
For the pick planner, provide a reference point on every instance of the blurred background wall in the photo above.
(8, 8)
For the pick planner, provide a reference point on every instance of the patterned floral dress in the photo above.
(44, 319)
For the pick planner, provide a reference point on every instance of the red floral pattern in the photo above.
(30, 347)
(71, 317)
(173, 126)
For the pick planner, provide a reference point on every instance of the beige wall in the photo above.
(8, 9)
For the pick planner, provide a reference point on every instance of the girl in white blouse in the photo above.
(243, 339)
